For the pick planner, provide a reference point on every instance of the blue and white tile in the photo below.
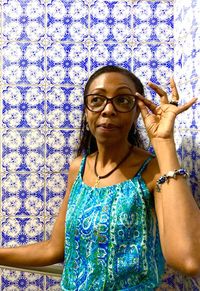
(23, 20)
(22, 194)
(64, 107)
(184, 19)
(23, 107)
(142, 57)
(67, 63)
(188, 19)
(196, 62)
(109, 54)
(187, 90)
(178, 13)
(178, 58)
(173, 280)
(153, 62)
(189, 53)
(120, 32)
(61, 148)
(99, 10)
(23, 150)
(186, 120)
(23, 63)
(16, 280)
(191, 153)
(196, 11)
(196, 106)
(49, 224)
(144, 137)
(21, 231)
(67, 20)
(52, 283)
(110, 21)
(56, 185)
(153, 21)
(178, 138)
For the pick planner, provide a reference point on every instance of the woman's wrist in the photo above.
(166, 154)
(161, 145)
(156, 141)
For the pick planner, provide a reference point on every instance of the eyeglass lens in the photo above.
(121, 103)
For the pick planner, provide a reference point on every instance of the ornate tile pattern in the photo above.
(22, 63)
(14, 280)
(23, 107)
(23, 150)
(47, 50)
(153, 21)
(23, 194)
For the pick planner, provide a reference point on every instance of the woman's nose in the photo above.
(109, 109)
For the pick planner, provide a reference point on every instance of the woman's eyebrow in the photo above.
(117, 89)
(124, 87)
(99, 89)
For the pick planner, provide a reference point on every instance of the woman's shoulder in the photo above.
(75, 164)
(141, 155)
(74, 170)
(151, 172)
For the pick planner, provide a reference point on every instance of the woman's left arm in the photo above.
(177, 212)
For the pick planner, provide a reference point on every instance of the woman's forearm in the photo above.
(180, 213)
(166, 154)
(33, 255)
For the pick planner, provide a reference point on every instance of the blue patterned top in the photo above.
(112, 240)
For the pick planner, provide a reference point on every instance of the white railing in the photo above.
(52, 270)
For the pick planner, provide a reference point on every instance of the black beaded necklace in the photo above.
(109, 173)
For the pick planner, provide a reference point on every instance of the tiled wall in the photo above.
(48, 49)
(187, 72)
(187, 75)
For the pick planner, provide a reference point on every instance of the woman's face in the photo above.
(109, 125)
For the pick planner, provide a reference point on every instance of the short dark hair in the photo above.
(87, 140)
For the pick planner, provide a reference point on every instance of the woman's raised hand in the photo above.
(159, 119)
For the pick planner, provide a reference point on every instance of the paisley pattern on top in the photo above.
(112, 240)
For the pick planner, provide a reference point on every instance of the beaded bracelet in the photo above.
(170, 174)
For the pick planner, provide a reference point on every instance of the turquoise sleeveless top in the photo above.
(112, 240)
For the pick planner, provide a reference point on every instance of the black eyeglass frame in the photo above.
(109, 100)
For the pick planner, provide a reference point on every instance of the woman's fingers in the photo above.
(147, 102)
(175, 95)
(143, 109)
(160, 92)
(185, 106)
(154, 108)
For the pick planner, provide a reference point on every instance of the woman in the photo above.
(118, 192)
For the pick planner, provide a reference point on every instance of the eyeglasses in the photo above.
(121, 103)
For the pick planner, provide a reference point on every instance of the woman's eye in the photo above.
(123, 99)
(95, 99)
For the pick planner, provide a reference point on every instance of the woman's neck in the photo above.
(108, 154)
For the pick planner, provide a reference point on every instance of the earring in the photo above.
(87, 127)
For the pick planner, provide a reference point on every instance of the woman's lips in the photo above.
(108, 127)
